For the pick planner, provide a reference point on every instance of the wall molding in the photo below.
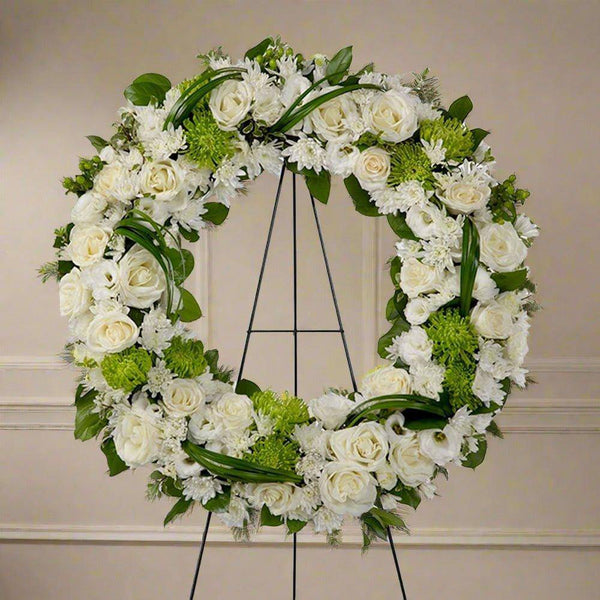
(521, 416)
(219, 534)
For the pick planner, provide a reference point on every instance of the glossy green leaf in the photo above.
(339, 65)
(514, 280)
(142, 94)
(246, 387)
(495, 430)
(474, 459)
(259, 49)
(461, 108)
(422, 424)
(189, 308)
(360, 198)
(294, 525)
(97, 142)
(400, 228)
(319, 185)
(179, 508)
(116, 464)
(268, 519)
(88, 423)
(468, 265)
(191, 235)
(478, 136)
(182, 262)
(219, 503)
(215, 213)
(398, 327)
(407, 495)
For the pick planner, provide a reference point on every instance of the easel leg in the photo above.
(397, 565)
(200, 554)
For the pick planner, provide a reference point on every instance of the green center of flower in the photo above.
(285, 410)
(455, 135)
(185, 357)
(409, 162)
(208, 145)
(126, 370)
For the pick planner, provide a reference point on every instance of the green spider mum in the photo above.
(185, 357)
(126, 370)
(409, 162)
(286, 410)
(454, 345)
(208, 145)
(455, 135)
(274, 452)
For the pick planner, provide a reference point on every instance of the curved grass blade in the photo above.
(468, 265)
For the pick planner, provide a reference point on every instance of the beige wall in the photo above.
(526, 524)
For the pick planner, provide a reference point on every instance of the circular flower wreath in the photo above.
(459, 313)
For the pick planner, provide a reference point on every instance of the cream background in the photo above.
(525, 524)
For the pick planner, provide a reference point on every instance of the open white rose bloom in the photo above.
(459, 314)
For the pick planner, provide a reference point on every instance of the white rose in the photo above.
(372, 168)
(111, 332)
(88, 209)
(136, 435)
(485, 287)
(267, 104)
(425, 220)
(141, 279)
(365, 445)
(441, 446)
(183, 397)
(492, 321)
(230, 103)
(347, 489)
(418, 278)
(462, 197)
(417, 310)
(414, 346)
(75, 298)
(409, 463)
(109, 179)
(163, 179)
(278, 497)
(501, 247)
(386, 477)
(87, 244)
(331, 409)
(385, 381)
(232, 412)
(392, 114)
(332, 119)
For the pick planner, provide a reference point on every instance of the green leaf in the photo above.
(508, 282)
(361, 198)
(268, 519)
(294, 525)
(215, 213)
(116, 464)
(478, 136)
(179, 508)
(374, 526)
(319, 185)
(421, 424)
(495, 430)
(88, 423)
(468, 265)
(395, 266)
(219, 503)
(97, 142)
(399, 326)
(147, 88)
(259, 48)
(339, 65)
(407, 495)
(400, 228)
(245, 387)
(474, 459)
(388, 518)
(182, 262)
(461, 108)
(191, 235)
(190, 309)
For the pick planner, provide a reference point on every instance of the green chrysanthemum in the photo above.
(274, 452)
(455, 135)
(454, 345)
(409, 162)
(185, 357)
(285, 410)
(208, 145)
(126, 370)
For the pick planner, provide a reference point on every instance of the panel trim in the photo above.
(219, 534)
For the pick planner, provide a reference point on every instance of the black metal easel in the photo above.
(294, 331)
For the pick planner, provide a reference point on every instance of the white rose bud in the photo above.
(141, 279)
(386, 477)
(501, 248)
(409, 463)
(331, 409)
(75, 298)
(393, 115)
(347, 489)
(464, 198)
(87, 244)
(136, 435)
(278, 497)
(230, 103)
(384, 381)
(183, 397)
(111, 332)
(372, 168)
(365, 445)
(492, 320)
(418, 278)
